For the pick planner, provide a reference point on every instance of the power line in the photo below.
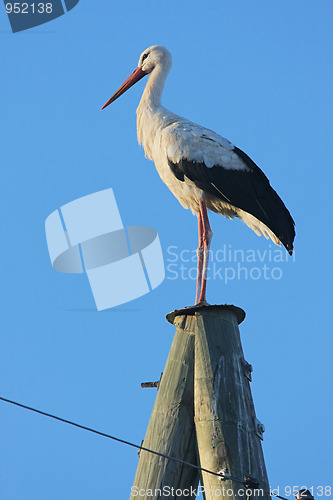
(89, 429)
(99, 433)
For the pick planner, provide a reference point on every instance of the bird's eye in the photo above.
(145, 56)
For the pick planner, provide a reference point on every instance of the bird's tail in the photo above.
(271, 218)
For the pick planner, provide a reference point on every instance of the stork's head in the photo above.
(156, 55)
(151, 58)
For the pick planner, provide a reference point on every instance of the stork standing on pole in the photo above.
(201, 168)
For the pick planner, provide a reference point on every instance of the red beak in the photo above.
(131, 80)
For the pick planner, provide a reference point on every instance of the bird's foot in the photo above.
(202, 303)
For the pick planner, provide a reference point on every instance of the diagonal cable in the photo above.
(119, 440)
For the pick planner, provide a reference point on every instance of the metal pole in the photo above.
(204, 413)
(228, 432)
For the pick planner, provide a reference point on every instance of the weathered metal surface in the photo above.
(204, 411)
(156, 384)
(190, 311)
(171, 428)
(224, 412)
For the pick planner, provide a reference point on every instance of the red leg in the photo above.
(200, 252)
(207, 238)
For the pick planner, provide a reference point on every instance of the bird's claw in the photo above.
(201, 303)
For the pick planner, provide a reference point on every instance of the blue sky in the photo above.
(259, 73)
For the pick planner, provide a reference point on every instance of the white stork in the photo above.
(201, 168)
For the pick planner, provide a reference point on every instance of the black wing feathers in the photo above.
(248, 190)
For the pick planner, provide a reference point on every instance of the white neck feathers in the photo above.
(149, 116)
